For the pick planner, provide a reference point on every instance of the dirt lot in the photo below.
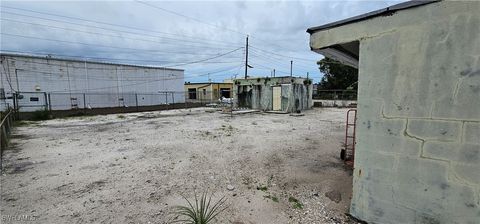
(133, 168)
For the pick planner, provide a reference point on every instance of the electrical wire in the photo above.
(147, 67)
(122, 31)
(77, 57)
(188, 17)
(104, 23)
(96, 45)
(278, 63)
(150, 81)
(117, 36)
(297, 58)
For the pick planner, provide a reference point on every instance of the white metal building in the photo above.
(65, 84)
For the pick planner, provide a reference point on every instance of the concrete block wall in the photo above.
(418, 138)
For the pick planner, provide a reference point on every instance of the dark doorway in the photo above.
(192, 93)
(225, 92)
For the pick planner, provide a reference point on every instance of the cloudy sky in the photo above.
(206, 38)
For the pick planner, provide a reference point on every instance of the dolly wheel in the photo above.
(342, 154)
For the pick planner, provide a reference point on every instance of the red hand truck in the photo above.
(347, 153)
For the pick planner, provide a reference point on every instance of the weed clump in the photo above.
(273, 198)
(296, 204)
(262, 188)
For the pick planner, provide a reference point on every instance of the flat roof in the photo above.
(382, 12)
(269, 77)
(206, 83)
(51, 57)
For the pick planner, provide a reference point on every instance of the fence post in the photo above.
(5, 137)
(186, 97)
(84, 103)
(46, 100)
(16, 107)
(166, 100)
(49, 102)
(136, 101)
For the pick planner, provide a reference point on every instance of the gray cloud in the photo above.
(275, 26)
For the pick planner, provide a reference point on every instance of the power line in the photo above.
(297, 58)
(269, 68)
(150, 81)
(171, 66)
(276, 62)
(103, 34)
(203, 22)
(188, 17)
(213, 42)
(140, 83)
(206, 59)
(77, 57)
(96, 45)
(35, 73)
(277, 59)
(101, 22)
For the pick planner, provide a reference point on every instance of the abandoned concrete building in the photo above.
(282, 94)
(417, 157)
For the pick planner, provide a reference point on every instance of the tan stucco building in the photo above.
(207, 91)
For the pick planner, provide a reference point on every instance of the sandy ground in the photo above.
(133, 168)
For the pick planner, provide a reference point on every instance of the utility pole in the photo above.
(291, 65)
(307, 75)
(273, 72)
(246, 59)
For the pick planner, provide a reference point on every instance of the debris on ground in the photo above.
(84, 170)
(334, 195)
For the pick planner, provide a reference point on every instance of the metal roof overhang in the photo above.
(346, 53)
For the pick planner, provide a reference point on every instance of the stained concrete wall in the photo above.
(257, 93)
(418, 132)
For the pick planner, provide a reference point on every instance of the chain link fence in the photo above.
(335, 95)
(94, 103)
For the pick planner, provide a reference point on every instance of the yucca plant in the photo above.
(200, 212)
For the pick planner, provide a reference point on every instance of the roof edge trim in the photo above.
(369, 15)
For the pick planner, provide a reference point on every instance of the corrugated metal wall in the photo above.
(105, 85)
